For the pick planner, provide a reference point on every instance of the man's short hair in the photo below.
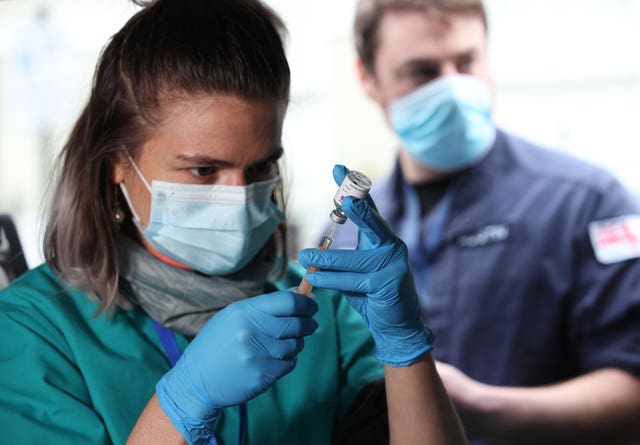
(369, 13)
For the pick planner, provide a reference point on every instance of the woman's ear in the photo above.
(119, 169)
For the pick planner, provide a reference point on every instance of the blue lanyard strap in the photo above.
(243, 422)
(423, 241)
(173, 353)
(441, 214)
(168, 342)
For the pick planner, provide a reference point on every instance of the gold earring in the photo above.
(118, 214)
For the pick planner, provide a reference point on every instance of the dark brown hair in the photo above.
(169, 49)
(369, 13)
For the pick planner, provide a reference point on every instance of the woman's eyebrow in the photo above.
(198, 159)
(277, 154)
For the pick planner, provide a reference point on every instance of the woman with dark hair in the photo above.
(164, 311)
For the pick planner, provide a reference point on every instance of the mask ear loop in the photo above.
(135, 167)
(136, 217)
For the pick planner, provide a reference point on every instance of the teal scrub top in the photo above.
(68, 376)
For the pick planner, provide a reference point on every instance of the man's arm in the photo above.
(602, 406)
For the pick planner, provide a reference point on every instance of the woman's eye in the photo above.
(202, 171)
(265, 169)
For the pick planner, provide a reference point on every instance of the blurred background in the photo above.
(567, 74)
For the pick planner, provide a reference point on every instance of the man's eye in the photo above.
(465, 64)
(425, 74)
(202, 171)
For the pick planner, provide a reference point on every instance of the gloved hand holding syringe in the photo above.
(354, 184)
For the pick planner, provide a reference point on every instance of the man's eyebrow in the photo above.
(420, 62)
(435, 62)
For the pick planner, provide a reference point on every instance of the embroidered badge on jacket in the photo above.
(490, 234)
(616, 239)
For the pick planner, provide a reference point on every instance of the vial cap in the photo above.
(338, 217)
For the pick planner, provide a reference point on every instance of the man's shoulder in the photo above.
(542, 162)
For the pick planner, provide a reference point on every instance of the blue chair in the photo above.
(12, 260)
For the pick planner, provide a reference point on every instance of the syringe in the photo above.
(354, 184)
(326, 241)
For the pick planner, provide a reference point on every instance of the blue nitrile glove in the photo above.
(239, 353)
(377, 280)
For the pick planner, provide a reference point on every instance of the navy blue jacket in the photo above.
(514, 294)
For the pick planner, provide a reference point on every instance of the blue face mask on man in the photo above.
(214, 229)
(445, 124)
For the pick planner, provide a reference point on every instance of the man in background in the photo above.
(525, 259)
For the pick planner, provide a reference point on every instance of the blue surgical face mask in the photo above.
(445, 124)
(214, 229)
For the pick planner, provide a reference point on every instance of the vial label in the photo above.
(354, 184)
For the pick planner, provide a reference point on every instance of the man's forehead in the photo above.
(415, 30)
(438, 13)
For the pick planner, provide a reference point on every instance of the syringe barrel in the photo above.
(304, 288)
(325, 242)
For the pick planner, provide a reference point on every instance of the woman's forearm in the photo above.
(153, 426)
(419, 408)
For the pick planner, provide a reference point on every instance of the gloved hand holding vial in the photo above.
(375, 278)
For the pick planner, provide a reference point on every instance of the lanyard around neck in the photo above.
(173, 353)
(441, 215)
(424, 241)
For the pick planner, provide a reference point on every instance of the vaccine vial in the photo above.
(354, 184)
